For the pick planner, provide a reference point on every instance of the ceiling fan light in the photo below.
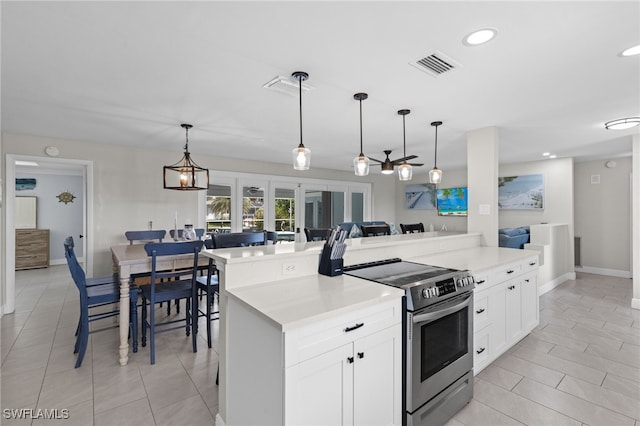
(405, 172)
(435, 175)
(387, 168)
(622, 123)
(361, 165)
(301, 157)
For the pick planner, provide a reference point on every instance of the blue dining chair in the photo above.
(199, 233)
(165, 286)
(97, 295)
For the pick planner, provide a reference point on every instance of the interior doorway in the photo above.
(57, 169)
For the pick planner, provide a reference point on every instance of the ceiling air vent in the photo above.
(436, 64)
(286, 85)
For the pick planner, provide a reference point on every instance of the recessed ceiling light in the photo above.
(553, 156)
(480, 36)
(635, 50)
(546, 154)
(622, 123)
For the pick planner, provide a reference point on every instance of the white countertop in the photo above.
(475, 259)
(300, 301)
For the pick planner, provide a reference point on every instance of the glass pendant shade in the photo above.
(361, 165)
(435, 175)
(301, 157)
(185, 175)
(405, 171)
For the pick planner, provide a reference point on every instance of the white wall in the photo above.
(603, 216)
(450, 179)
(61, 219)
(128, 189)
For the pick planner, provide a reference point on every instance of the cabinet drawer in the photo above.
(503, 273)
(530, 264)
(480, 310)
(312, 340)
(481, 279)
(481, 349)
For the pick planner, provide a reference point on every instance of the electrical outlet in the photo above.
(288, 268)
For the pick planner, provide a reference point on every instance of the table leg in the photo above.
(124, 320)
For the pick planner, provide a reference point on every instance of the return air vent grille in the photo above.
(436, 64)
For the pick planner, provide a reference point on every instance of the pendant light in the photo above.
(435, 174)
(301, 155)
(186, 175)
(361, 162)
(405, 171)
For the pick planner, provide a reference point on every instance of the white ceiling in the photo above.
(129, 73)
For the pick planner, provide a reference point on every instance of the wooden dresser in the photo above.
(32, 248)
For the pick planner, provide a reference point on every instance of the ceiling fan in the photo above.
(388, 164)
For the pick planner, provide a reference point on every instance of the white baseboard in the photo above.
(635, 303)
(556, 282)
(219, 421)
(604, 271)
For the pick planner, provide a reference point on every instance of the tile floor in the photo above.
(581, 366)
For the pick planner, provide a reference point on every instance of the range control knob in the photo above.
(425, 293)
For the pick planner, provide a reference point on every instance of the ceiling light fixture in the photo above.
(632, 51)
(186, 175)
(301, 155)
(546, 154)
(405, 171)
(622, 123)
(361, 162)
(435, 174)
(479, 37)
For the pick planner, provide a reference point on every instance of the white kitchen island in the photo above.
(301, 348)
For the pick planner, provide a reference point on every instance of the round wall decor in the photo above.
(65, 197)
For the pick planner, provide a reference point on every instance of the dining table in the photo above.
(131, 259)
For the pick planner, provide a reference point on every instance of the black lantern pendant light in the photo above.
(405, 171)
(361, 162)
(186, 175)
(435, 174)
(301, 155)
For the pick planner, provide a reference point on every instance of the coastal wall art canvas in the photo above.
(420, 196)
(524, 192)
(24, 184)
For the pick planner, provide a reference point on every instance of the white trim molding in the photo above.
(556, 282)
(604, 271)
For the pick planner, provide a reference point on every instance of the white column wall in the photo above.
(482, 178)
(635, 222)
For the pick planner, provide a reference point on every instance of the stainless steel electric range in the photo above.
(438, 329)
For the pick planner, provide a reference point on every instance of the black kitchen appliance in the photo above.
(438, 341)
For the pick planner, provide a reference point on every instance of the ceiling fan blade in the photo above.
(373, 159)
(403, 159)
(416, 164)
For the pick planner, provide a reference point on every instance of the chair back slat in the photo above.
(411, 228)
(238, 239)
(199, 232)
(156, 250)
(374, 230)
(317, 234)
(146, 236)
(77, 273)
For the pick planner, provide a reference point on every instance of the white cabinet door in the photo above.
(319, 391)
(497, 306)
(376, 384)
(530, 308)
(513, 310)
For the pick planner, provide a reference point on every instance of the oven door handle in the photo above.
(432, 316)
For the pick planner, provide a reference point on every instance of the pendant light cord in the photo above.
(404, 140)
(361, 153)
(300, 97)
(435, 157)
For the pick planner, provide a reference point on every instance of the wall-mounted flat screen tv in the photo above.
(452, 201)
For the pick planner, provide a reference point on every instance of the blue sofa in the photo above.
(513, 237)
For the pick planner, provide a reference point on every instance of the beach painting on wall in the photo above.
(420, 196)
(524, 192)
